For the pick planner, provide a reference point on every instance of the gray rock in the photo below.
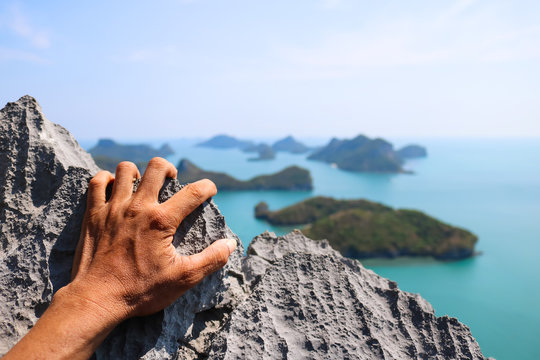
(311, 302)
(290, 297)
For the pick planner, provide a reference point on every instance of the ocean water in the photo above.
(489, 186)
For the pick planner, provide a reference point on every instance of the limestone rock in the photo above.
(311, 302)
(290, 297)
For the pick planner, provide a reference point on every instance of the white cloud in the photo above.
(20, 24)
(456, 34)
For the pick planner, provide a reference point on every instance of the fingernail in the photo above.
(231, 244)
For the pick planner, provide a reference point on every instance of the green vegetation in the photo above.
(291, 178)
(363, 154)
(289, 144)
(108, 153)
(225, 142)
(412, 151)
(265, 152)
(361, 229)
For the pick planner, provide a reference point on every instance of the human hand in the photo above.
(125, 261)
(125, 264)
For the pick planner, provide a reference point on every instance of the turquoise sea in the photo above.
(489, 186)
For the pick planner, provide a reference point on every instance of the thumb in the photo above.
(210, 260)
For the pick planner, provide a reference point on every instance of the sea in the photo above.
(488, 186)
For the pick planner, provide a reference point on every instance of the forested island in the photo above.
(364, 229)
(107, 154)
(265, 152)
(363, 154)
(290, 178)
(291, 145)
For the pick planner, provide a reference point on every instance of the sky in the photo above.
(311, 68)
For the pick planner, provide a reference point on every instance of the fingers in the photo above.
(157, 170)
(97, 189)
(188, 199)
(207, 261)
(126, 173)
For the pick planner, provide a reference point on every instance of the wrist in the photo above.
(95, 306)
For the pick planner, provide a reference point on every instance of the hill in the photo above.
(362, 229)
(360, 154)
(412, 151)
(225, 142)
(291, 178)
(290, 144)
(265, 152)
(107, 153)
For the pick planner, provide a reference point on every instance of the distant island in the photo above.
(412, 152)
(364, 229)
(291, 145)
(107, 154)
(226, 142)
(361, 154)
(291, 178)
(265, 152)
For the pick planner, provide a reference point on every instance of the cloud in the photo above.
(451, 35)
(20, 24)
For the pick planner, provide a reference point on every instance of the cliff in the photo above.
(364, 229)
(291, 178)
(290, 297)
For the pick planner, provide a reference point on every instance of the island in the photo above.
(225, 142)
(291, 178)
(107, 154)
(412, 151)
(366, 229)
(265, 152)
(362, 154)
(291, 145)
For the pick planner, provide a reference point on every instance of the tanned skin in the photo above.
(125, 264)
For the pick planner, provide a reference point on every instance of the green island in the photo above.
(265, 152)
(291, 145)
(366, 229)
(225, 142)
(107, 154)
(361, 154)
(290, 178)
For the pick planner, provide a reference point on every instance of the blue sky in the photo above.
(194, 68)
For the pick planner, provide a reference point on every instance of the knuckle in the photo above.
(218, 258)
(126, 166)
(195, 190)
(160, 220)
(134, 208)
(99, 179)
(158, 162)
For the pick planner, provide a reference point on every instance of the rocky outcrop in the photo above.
(290, 297)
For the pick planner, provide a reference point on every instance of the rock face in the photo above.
(290, 297)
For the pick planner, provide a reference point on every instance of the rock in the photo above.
(310, 302)
(290, 297)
